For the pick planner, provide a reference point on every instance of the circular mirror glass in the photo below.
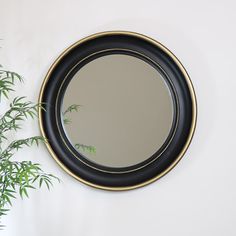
(117, 111)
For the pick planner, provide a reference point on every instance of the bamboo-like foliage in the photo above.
(17, 176)
(66, 121)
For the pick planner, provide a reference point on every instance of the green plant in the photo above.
(17, 176)
(66, 121)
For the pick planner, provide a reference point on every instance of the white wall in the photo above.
(198, 196)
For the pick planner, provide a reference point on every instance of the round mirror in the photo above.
(119, 110)
(113, 105)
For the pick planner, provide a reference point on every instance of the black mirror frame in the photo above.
(62, 71)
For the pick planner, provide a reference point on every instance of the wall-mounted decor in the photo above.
(120, 110)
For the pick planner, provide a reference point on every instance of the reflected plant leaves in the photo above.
(66, 121)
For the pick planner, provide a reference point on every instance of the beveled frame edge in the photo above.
(191, 90)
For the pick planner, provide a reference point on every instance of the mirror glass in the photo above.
(117, 110)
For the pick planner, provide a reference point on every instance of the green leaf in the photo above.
(46, 182)
(25, 192)
(5, 93)
(40, 182)
(5, 197)
(9, 194)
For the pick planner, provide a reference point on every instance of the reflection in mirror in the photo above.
(117, 111)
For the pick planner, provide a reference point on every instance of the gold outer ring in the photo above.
(190, 86)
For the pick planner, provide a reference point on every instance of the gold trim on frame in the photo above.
(189, 83)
